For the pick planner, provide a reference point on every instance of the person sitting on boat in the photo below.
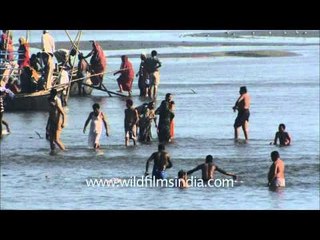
(24, 53)
(127, 75)
(98, 63)
(13, 85)
(64, 57)
(29, 80)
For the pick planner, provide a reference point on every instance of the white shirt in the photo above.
(48, 44)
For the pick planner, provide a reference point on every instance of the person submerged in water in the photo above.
(283, 136)
(276, 172)
(161, 162)
(208, 169)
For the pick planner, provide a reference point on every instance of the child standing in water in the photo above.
(97, 118)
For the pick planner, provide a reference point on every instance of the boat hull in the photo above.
(37, 101)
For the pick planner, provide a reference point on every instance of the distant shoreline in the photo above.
(124, 45)
(254, 53)
(259, 33)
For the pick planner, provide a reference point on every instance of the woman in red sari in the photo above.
(98, 63)
(127, 75)
(24, 53)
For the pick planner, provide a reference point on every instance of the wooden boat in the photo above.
(36, 101)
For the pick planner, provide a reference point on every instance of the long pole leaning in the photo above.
(74, 60)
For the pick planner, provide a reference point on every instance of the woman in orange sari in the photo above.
(24, 53)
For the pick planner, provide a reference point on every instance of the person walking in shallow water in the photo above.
(97, 118)
(161, 162)
(242, 105)
(56, 121)
(131, 119)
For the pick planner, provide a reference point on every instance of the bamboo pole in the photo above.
(74, 60)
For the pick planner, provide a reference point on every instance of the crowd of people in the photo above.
(137, 120)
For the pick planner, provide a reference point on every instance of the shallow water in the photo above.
(284, 89)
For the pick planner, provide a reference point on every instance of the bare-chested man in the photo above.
(56, 120)
(276, 171)
(283, 136)
(208, 168)
(242, 120)
(131, 119)
(161, 163)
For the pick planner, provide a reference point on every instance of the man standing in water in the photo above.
(56, 121)
(166, 116)
(276, 171)
(161, 163)
(242, 120)
(131, 119)
(152, 65)
(208, 169)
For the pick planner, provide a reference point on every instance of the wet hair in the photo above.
(168, 95)
(124, 57)
(151, 105)
(209, 159)
(154, 53)
(129, 102)
(161, 147)
(275, 155)
(73, 52)
(95, 106)
(181, 173)
(243, 89)
(281, 125)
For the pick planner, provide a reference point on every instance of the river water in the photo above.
(282, 89)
